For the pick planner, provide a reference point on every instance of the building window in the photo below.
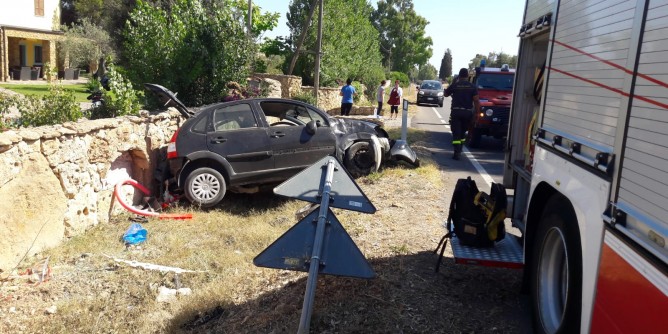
(39, 7)
(38, 54)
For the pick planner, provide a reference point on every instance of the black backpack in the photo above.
(477, 217)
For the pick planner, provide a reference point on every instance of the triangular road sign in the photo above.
(292, 251)
(307, 186)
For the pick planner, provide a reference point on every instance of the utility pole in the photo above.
(250, 18)
(300, 42)
(318, 55)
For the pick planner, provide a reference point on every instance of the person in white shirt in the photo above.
(380, 95)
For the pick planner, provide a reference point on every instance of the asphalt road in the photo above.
(484, 164)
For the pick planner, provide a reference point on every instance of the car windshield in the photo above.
(431, 85)
(495, 81)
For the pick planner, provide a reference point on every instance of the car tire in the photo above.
(556, 271)
(360, 159)
(205, 187)
(440, 104)
(473, 138)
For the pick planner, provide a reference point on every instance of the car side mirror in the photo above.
(311, 127)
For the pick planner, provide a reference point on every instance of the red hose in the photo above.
(144, 212)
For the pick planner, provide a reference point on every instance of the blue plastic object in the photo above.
(135, 234)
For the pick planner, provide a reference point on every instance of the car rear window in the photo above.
(233, 117)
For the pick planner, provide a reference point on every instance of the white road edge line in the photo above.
(481, 170)
(437, 113)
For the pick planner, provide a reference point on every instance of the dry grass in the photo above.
(94, 294)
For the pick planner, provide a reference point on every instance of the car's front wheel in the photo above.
(205, 187)
(360, 159)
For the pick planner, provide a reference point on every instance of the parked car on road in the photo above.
(431, 92)
(242, 145)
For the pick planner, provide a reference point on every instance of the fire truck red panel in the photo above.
(626, 301)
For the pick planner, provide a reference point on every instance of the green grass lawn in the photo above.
(80, 91)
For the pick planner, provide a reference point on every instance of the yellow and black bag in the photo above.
(477, 217)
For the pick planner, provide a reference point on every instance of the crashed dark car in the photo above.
(241, 145)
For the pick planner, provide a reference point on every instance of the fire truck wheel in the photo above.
(556, 270)
(205, 187)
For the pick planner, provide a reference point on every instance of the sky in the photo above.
(466, 27)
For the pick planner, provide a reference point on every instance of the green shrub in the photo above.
(305, 97)
(56, 107)
(6, 102)
(402, 77)
(359, 88)
(121, 99)
(194, 48)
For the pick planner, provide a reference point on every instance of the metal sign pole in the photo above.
(309, 295)
(404, 121)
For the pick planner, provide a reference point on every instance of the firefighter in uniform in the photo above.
(464, 100)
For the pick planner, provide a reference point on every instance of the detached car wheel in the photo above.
(360, 159)
(205, 187)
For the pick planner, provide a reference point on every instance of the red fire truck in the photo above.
(587, 158)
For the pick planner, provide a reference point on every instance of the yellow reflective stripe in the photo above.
(455, 142)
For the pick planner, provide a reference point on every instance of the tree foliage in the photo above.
(427, 72)
(192, 48)
(109, 15)
(262, 21)
(494, 59)
(403, 43)
(349, 43)
(446, 65)
(84, 43)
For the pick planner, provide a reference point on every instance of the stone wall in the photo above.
(290, 84)
(57, 181)
(328, 98)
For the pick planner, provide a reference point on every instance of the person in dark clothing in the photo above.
(464, 103)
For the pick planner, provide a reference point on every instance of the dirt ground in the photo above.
(407, 296)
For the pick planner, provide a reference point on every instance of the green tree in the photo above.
(494, 59)
(193, 49)
(446, 66)
(427, 72)
(84, 43)
(403, 43)
(349, 43)
(109, 15)
(262, 21)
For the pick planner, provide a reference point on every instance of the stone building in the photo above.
(28, 34)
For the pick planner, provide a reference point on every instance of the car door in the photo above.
(292, 145)
(237, 136)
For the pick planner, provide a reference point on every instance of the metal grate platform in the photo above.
(506, 253)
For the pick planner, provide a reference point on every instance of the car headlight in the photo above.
(440, 94)
(421, 92)
(489, 112)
